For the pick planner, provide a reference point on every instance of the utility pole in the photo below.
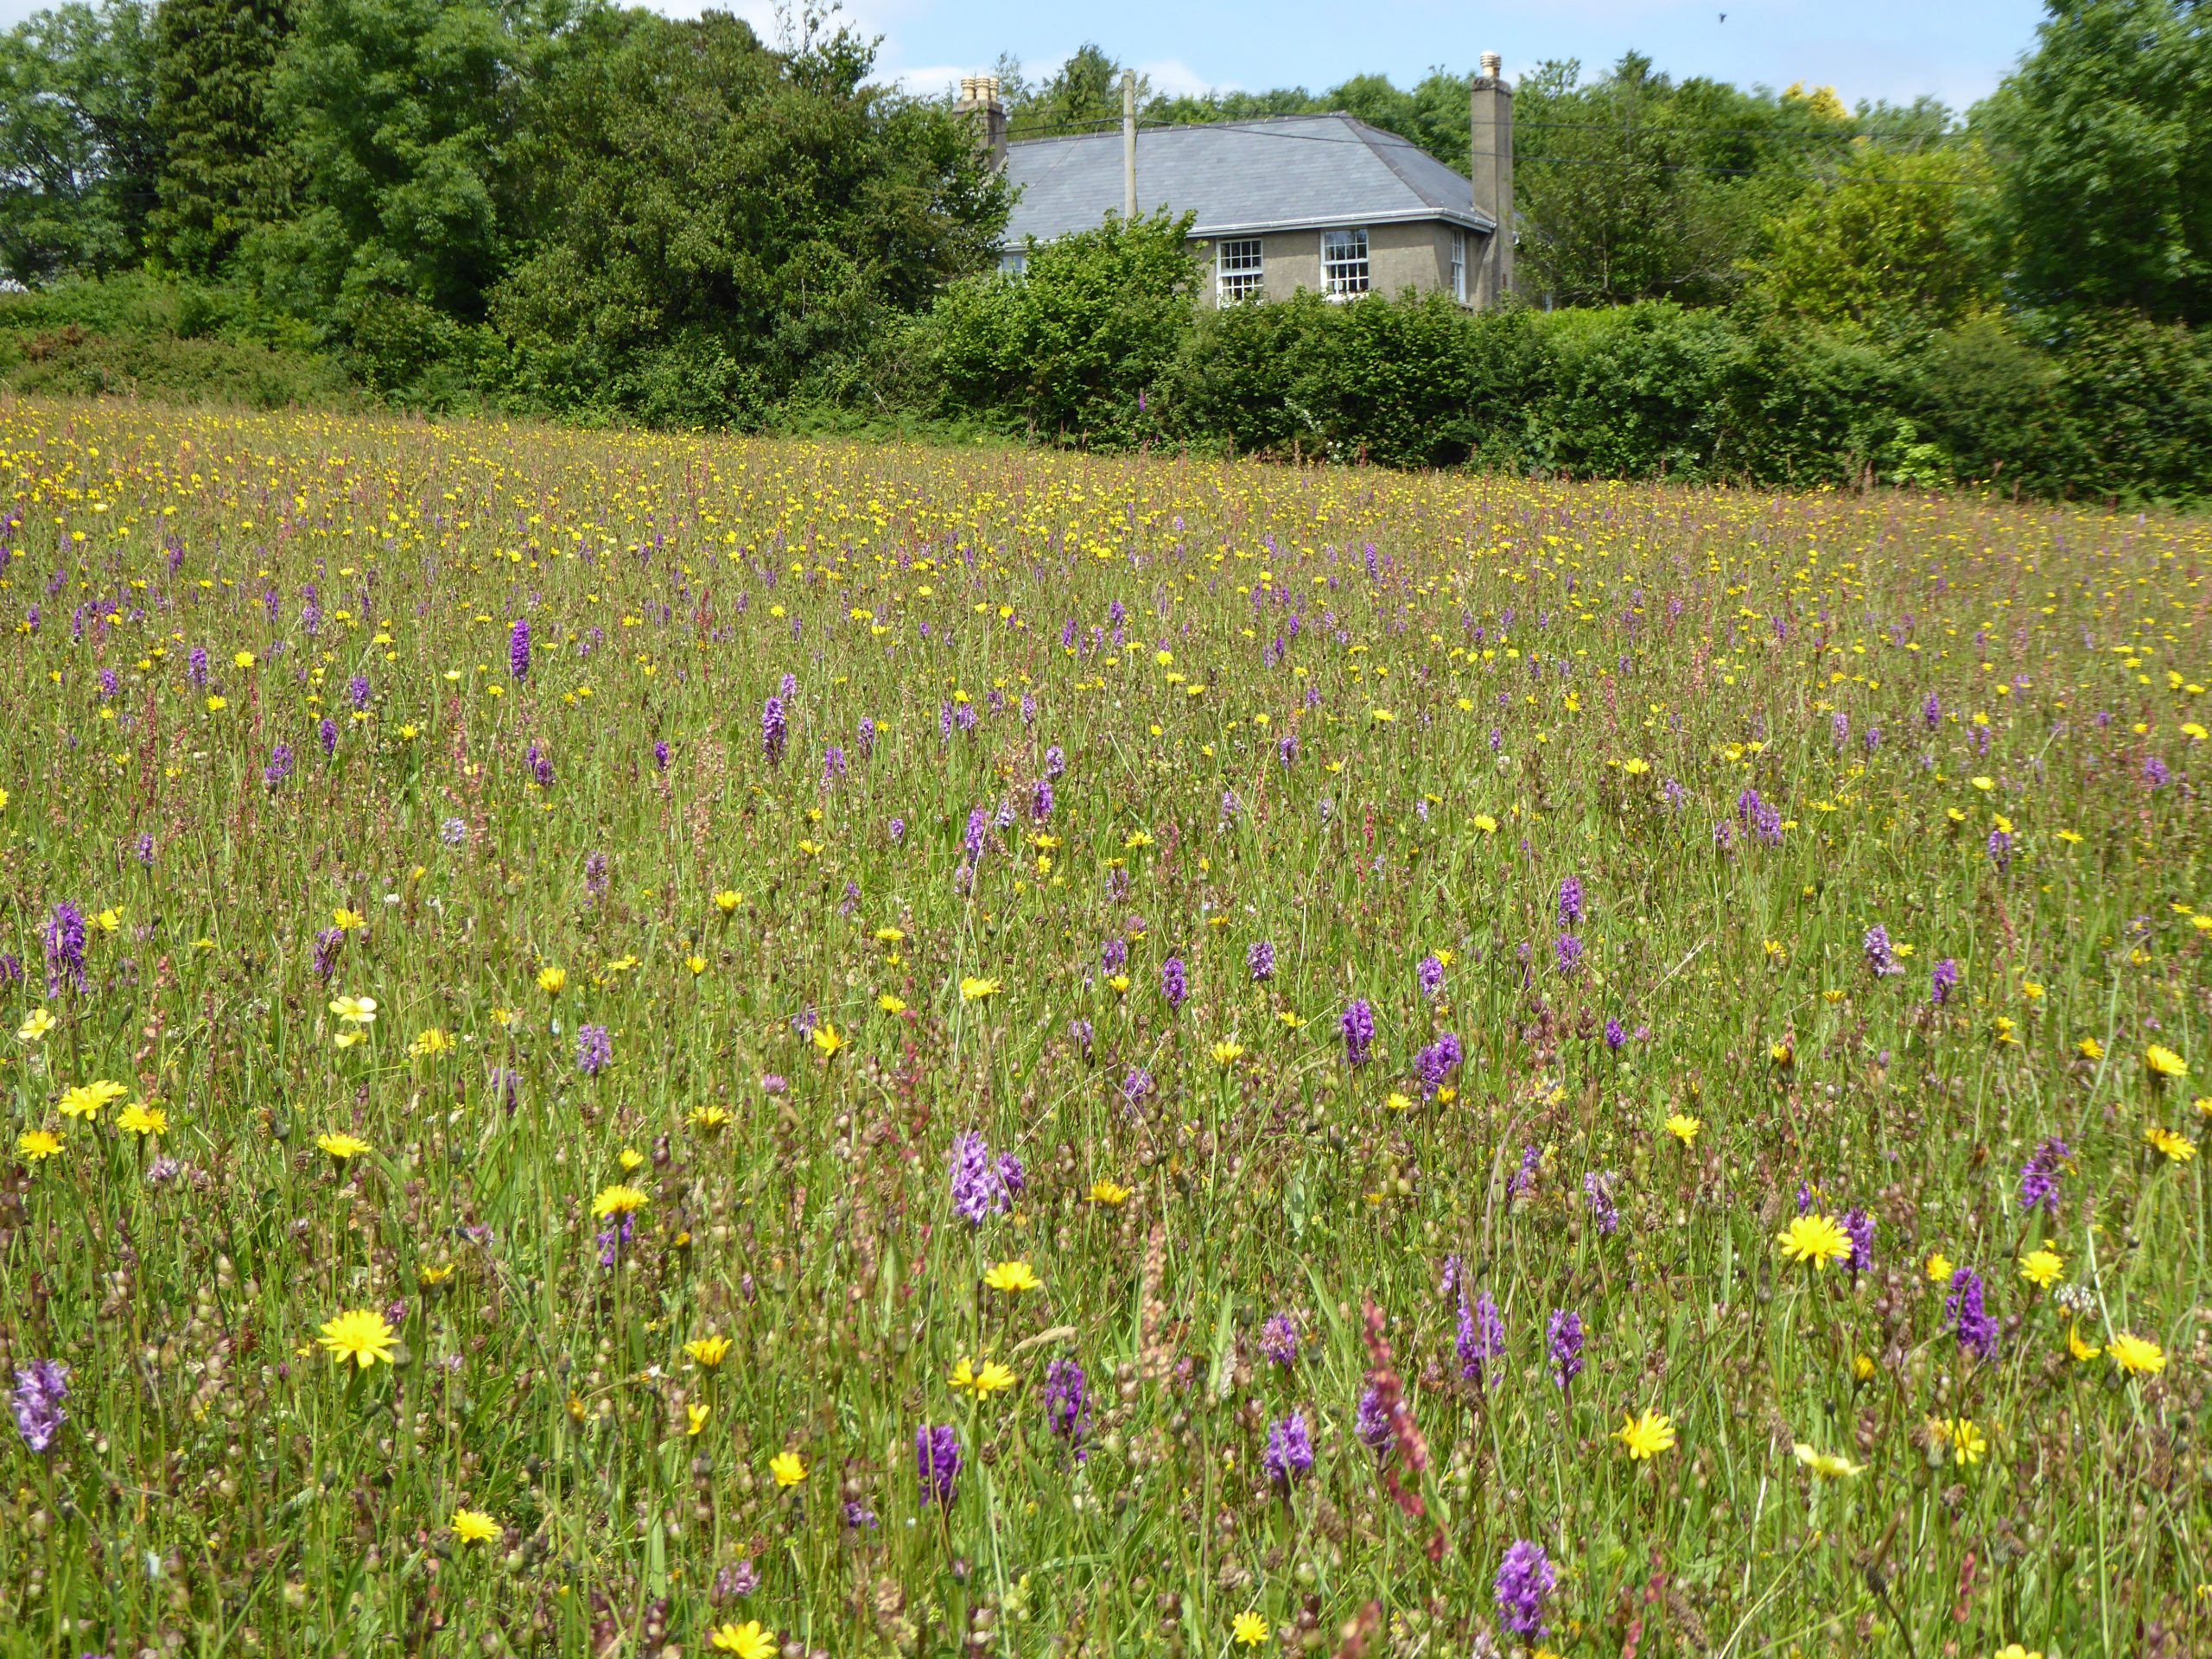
(1129, 146)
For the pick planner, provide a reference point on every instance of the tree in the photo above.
(212, 60)
(706, 222)
(1084, 94)
(1892, 241)
(2102, 141)
(398, 113)
(78, 147)
(1081, 342)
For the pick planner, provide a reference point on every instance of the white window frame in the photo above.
(1347, 267)
(1460, 265)
(1013, 262)
(1239, 269)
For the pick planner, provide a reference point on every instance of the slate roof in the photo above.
(1283, 173)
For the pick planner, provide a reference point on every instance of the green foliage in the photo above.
(1084, 93)
(218, 169)
(398, 114)
(78, 147)
(2102, 140)
(706, 226)
(1891, 241)
(1078, 347)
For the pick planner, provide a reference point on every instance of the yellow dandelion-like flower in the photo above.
(2083, 1350)
(90, 1099)
(140, 1118)
(827, 1038)
(1647, 1436)
(2165, 1063)
(36, 1146)
(1226, 1054)
(430, 1044)
(2090, 1049)
(728, 899)
(705, 1120)
(362, 1336)
(339, 1147)
(2041, 1268)
(1939, 1269)
(1828, 1465)
(1111, 1193)
(696, 1414)
(552, 981)
(789, 1469)
(1248, 1631)
(1683, 1127)
(982, 1381)
(973, 990)
(746, 1641)
(890, 1004)
(707, 1351)
(474, 1527)
(617, 1200)
(2177, 1147)
(2138, 1356)
(1013, 1278)
(1815, 1239)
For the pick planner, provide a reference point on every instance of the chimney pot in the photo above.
(1493, 66)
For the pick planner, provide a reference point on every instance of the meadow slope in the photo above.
(632, 1043)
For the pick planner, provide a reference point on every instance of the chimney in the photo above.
(1490, 127)
(979, 102)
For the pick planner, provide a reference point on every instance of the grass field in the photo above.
(633, 1045)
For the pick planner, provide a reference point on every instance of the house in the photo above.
(1315, 201)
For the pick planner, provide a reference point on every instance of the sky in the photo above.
(1956, 50)
(1896, 49)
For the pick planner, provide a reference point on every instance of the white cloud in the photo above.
(1176, 78)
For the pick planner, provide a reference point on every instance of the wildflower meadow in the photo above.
(654, 1046)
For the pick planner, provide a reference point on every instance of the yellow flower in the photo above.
(789, 1469)
(1487, 824)
(2014, 1651)
(1291, 1018)
(709, 1351)
(1782, 1053)
(2179, 1148)
(1140, 839)
(1227, 1053)
(1828, 1465)
(1816, 1239)
(339, 1147)
(1398, 1102)
(1111, 1193)
(242, 659)
(139, 1118)
(2090, 1049)
(432, 1043)
(552, 981)
(1248, 1631)
(1967, 1443)
(827, 1038)
(89, 1099)
(432, 1274)
(355, 1011)
(474, 1527)
(2138, 1356)
(2164, 1062)
(617, 1200)
(696, 964)
(2041, 1268)
(989, 1378)
(976, 990)
(1939, 1269)
(1683, 1128)
(890, 1004)
(36, 1146)
(729, 899)
(1862, 1368)
(631, 1160)
(708, 1119)
(346, 921)
(1984, 784)
(746, 1641)
(695, 1418)
(1119, 984)
(361, 1335)
(2083, 1351)
(1013, 1277)
(34, 1026)
(890, 935)
(1647, 1436)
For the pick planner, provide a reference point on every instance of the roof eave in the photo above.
(1463, 217)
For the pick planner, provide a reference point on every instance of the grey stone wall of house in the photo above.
(1415, 256)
